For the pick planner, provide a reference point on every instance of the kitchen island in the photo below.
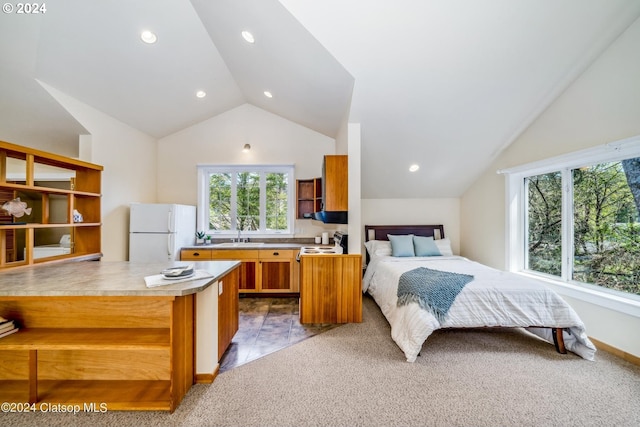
(93, 335)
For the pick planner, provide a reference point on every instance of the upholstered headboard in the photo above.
(379, 232)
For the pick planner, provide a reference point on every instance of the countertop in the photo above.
(104, 278)
(253, 247)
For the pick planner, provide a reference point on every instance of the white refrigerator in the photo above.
(157, 231)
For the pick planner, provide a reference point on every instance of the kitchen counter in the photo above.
(104, 278)
(92, 331)
(266, 268)
(250, 246)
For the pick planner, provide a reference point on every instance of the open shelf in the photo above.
(19, 226)
(50, 190)
(308, 197)
(116, 395)
(87, 339)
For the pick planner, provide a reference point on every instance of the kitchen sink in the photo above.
(238, 244)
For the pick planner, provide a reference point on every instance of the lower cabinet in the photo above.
(277, 271)
(261, 271)
(227, 310)
(331, 288)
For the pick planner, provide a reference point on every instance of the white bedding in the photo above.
(493, 298)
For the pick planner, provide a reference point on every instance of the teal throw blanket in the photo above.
(433, 290)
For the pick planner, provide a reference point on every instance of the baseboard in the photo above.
(616, 352)
(207, 378)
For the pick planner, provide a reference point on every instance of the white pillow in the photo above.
(378, 248)
(444, 246)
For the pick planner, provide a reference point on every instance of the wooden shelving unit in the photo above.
(53, 186)
(130, 353)
(308, 197)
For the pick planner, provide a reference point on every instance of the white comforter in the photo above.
(493, 298)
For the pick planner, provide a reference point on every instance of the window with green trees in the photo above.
(596, 208)
(252, 199)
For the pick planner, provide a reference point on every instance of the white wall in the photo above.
(219, 140)
(415, 212)
(355, 227)
(601, 106)
(129, 160)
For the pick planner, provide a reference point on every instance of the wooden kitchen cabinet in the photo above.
(228, 311)
(276, 270)
(246, 271)
(195, 255)
(261, 270)
(53, 187)
(308, 197)
(335, 183)
(247, 280)
(331, 288)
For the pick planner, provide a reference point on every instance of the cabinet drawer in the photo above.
(234, 254)
(195, 254)
(277, 254)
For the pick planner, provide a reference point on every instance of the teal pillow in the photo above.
(425, 246)
(401, 245)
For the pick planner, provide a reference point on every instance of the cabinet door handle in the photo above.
(276, 253)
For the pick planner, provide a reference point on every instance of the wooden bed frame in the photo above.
(379, 232)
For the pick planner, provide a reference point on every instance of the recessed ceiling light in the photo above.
(201, 94)
(413, 168)
(248, 37)
(148, 37)
(268, 94)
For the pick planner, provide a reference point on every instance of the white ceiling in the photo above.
(446, 84)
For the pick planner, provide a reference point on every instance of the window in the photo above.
(544, 223)
(247, 199)
(576, 218)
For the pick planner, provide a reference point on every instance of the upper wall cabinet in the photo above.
(335, 183)
(58, 213)
(335, 190)
(308, 197)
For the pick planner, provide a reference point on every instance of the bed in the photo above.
(475, 295)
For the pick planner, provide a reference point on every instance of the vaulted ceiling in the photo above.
(446, 84)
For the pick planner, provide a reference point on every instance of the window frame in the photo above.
(204, 172)
(516, 222)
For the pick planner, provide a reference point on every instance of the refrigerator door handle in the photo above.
(170, 245)
(169, 218)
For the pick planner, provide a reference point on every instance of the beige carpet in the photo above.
(355, 375)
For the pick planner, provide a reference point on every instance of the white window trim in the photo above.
(203, 198)
(515, 224)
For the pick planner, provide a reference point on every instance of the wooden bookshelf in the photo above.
(53, 186)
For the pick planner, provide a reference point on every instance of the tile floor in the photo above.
(267, 325)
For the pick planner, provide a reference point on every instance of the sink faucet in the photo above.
(240, 239)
